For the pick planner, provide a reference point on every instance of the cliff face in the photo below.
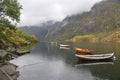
(103, 17)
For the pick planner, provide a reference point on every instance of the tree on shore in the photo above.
(9, 14)
(9, 17)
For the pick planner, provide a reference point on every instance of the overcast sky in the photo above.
(37, 11)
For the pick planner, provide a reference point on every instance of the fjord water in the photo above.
(50, 62)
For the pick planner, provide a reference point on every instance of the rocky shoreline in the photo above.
(8, 71)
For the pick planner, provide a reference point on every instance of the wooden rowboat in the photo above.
(96, 57)
(84, 51)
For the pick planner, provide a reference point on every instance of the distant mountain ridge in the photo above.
(41, 31)
(104, 17)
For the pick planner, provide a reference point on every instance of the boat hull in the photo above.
(84, 51)
(95, 57)
(62, 45)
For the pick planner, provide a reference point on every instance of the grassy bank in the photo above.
(15, 38)
(109, 36)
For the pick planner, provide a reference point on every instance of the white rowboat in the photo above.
(96, 57)
(62, 45)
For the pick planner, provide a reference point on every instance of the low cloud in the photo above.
(36, 11)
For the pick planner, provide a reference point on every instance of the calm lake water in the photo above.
(50, 62)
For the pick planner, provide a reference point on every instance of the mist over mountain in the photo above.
(41, 31)
(36, 11)
(103, 17)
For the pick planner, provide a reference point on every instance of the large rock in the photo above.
(8, 72)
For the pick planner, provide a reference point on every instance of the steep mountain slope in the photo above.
(103, 17)
(41, 31)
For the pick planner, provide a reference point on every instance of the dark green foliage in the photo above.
(7, 24)
(9, 13)
(9, 34)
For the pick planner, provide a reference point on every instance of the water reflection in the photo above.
(101, 62)
(48, 62)
(54, 70)
(27, 60)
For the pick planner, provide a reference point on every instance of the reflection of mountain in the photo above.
(54, 52)
(56, 55)
(101, 70)
(106, 70)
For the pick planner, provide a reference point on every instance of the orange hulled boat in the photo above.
(84, 51)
